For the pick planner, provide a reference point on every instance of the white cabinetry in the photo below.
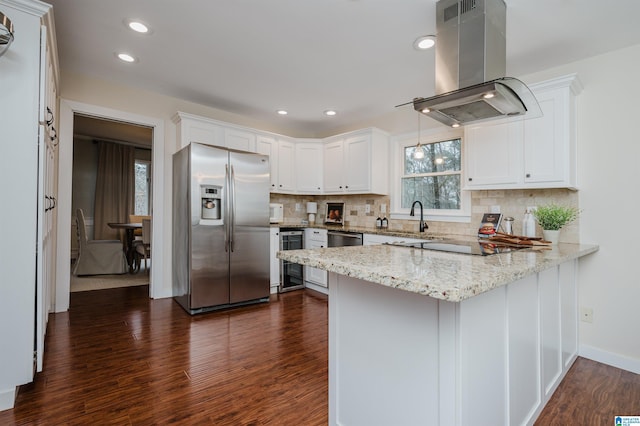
(274, 262)
(357, 163)
(281, 158)
(286, 166)
(533, 153)
(308, 161)
(191, 128)
(28, 163)
(315, 279)
(239, 139)
(267, 145)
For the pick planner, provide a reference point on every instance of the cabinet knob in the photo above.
(347, 186)
(318, 188)
(280, 186)
(273, 184)
(528, 175)
(470, 179)
(340, 187)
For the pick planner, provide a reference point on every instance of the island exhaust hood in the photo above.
(471, 64)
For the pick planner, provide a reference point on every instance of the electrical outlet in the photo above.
(367, 208)
(383, 208)
(298, 207)
(586, 314)
(494, 209)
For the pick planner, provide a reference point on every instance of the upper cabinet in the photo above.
(533, 153)
(308, 160)
(281, 154)
(239, 139)
(357, 163)
(354, 163)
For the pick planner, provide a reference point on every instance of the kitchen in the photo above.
(605, 171)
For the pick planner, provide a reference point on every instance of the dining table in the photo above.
(129, 250)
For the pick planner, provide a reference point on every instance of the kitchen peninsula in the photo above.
(424, 337)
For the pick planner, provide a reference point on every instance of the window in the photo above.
(142, 170)
(435, 179)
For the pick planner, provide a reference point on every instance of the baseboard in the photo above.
(610, 358)
(8, 399)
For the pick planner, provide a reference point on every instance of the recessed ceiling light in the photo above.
(137, 26)
(455, 125)
(424, 42)
(125, 57)
(426, 110)
(488, 95)
(282, 112)
(330, 112)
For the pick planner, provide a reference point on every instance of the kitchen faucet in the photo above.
(423, 224)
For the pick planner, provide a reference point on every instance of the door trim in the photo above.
(157, 286)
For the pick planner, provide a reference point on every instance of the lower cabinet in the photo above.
(493, 359)
(274, 265)
(315, 279)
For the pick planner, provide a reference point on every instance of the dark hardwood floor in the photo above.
(119, 358)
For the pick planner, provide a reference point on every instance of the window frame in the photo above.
(398, 145)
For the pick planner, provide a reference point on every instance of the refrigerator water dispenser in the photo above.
(210, 201)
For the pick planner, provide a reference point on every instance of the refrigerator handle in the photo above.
(233, 209)
(226, 208)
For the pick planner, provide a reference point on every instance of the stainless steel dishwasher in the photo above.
(344, 238)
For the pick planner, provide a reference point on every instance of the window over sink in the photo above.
(434, 178)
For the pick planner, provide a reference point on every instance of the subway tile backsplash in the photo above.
(512, 203)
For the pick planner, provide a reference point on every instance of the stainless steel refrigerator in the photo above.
(220, 228)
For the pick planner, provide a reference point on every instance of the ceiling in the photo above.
(253, 57)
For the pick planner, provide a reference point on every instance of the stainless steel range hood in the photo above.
(471, 64)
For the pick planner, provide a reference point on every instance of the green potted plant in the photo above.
(552, 217)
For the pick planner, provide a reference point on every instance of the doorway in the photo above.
(69, 111)
(91, 136)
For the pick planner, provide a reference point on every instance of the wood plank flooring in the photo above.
(119, 358)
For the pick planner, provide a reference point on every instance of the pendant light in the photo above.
(418, 152)
(6, 33)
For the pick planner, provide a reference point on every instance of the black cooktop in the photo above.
(478, 248)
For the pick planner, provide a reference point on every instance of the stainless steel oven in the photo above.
(291, 274)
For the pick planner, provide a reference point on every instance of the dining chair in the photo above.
(97, 257)
(136, 218)
(143, 248)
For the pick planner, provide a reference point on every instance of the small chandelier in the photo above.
(418, 152)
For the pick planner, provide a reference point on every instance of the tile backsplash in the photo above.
(512, 203)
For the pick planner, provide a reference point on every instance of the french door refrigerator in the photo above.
(220, 228)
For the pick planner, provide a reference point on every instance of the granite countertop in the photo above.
(446, 276)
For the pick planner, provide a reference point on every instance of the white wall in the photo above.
(609, 169)
(608, 164)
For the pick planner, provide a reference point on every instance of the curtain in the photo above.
(114, 189)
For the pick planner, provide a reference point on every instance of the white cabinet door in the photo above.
(532, 153)
(309, 167)
(286, 166)
(238, 139)
(269, 146)
(545, 151)
(197, 129)
(274, 262)
(357, 163)
(315, 238)
(494, 154)
(334, 167)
